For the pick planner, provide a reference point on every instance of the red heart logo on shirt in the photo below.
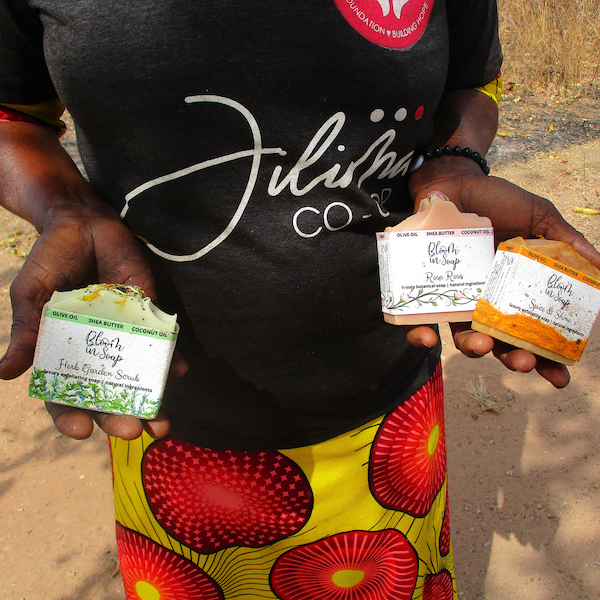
(396, 24)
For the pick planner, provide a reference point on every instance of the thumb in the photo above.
(27, 309)
(121, 258)
(551, 225)
(421, 336)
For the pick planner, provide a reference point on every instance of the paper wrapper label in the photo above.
(433, 271)
(539, 300)
(101, 365)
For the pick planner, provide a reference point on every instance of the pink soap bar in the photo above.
(434, 264)
(437, 212)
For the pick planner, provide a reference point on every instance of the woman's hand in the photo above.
(469, 118)
(82, 241)
(76, 247)
(514, 212)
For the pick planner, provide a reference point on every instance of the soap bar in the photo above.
(105, 348)
(434, 264)
(124, 303)
(541, 296)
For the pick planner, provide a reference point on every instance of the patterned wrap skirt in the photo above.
(362, 516)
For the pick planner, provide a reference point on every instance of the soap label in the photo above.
(433, 271)
(101, 365)
(523, 282)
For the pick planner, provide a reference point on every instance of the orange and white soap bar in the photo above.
(434, 264)
(541, 296)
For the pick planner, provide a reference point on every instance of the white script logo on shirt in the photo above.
(376, 159)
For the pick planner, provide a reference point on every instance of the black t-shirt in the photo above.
(256, 148)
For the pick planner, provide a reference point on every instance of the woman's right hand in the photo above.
(82, 241)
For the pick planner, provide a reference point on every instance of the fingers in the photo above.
(19, 354)
(52, 264)
(557, 374)
(71, 422)
(27, 307)
(471, 343)
(549, 223)
(31, 289)
(475, 344)
(514, 359)
(179, 365)
(421, 336)
(517, 359)
(78, 424)
(70, 254)
(575, 239)
(159, 427)
(122, 426)
(120, 258)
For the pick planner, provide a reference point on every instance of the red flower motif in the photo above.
(408, 458)
(438, 586)
(151, 571)
(210, 500)
(445, 533)
(357, 565)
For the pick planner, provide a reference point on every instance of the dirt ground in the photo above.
(524, 479)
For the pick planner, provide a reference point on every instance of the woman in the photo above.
(256, 149)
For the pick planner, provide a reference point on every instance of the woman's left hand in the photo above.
(513, 212)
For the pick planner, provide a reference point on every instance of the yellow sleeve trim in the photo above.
(49, 112)
(493, 89)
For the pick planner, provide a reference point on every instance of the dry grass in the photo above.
(551, 45)
(477, 390)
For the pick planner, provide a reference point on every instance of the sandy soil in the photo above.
(524, 480)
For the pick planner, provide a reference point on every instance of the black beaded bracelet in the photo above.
(458, 151)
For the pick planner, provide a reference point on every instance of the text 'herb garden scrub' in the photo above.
(434, 264)
(105, 348)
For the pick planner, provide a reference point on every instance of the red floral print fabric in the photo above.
(152, 571)
(408, 462)
(438, 586)
(358, 565)
(211, 500)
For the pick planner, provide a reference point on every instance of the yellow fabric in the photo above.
(493, 89)
(49, 112)
(337, 471)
